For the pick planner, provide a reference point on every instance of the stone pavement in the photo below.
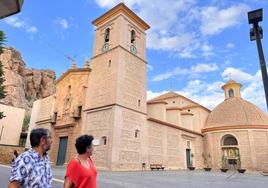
(175, 179)
(161, 179)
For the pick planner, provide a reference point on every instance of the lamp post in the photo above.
(256, 33)
(10, 7)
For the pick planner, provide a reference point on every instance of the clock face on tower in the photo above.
(105, 47)
(133, 49)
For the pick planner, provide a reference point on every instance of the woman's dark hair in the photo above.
(82, 143)
(36, 135)
(15, 153)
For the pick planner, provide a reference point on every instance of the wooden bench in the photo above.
(156, 166)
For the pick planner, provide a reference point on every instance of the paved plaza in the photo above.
(183, 179)
(160, 179)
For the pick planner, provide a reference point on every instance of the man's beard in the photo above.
(47, 148)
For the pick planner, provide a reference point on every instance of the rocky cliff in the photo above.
(24, 85)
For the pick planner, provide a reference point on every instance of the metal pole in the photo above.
(262, 62)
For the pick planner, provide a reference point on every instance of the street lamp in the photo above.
(256, 33)
(10, 7)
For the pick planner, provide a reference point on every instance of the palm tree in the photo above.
(2, 79)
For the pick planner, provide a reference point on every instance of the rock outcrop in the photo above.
(23, 85)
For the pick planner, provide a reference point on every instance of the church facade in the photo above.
(107, 99)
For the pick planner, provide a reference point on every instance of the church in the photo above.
(107, 99)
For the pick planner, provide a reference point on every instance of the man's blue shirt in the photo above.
(31, 170)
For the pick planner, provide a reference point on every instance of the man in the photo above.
(32, 168)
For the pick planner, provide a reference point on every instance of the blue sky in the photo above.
(193, 47)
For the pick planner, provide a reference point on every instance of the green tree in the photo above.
(26, 122)
(2, 79)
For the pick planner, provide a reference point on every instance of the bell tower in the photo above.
(120, 27)
(116, 95)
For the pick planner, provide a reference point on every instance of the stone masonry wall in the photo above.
(6, 153)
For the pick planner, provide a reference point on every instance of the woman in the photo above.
(81, 172)
(15, 155)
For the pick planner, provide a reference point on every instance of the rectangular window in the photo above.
(79, 111)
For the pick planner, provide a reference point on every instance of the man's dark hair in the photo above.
(36, 135)
(82, 143)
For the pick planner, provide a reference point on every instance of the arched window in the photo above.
(231, 92)
(229, 140)
(107, 35)
(104, 140)
(133, 37)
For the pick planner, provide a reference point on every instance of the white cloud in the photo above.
(150, 67)
(158, 41)
(214, 87)
(62, 22)
(206, 94)
(14, 21)
(254, 91)
(168, 75)
(226, 63)
(187, 53)
(164, 15)
(31, 29)
(106, 3)
(151, 94)
(166, 32)
(214, 20)
(210, 94)
(111, 3)
(199, 68)
(209, 101)
(207, 50)
(178, 26)
(230, 45)
(237, 75)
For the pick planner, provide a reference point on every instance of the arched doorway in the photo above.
(230, 150)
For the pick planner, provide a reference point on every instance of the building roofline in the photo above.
(121, 7)
(231, 82)
(71, 71)
(178, 95)
(232, 127)
(174, 126)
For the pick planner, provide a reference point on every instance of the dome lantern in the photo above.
(232, 89)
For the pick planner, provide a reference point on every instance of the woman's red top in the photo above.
(80, 175)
